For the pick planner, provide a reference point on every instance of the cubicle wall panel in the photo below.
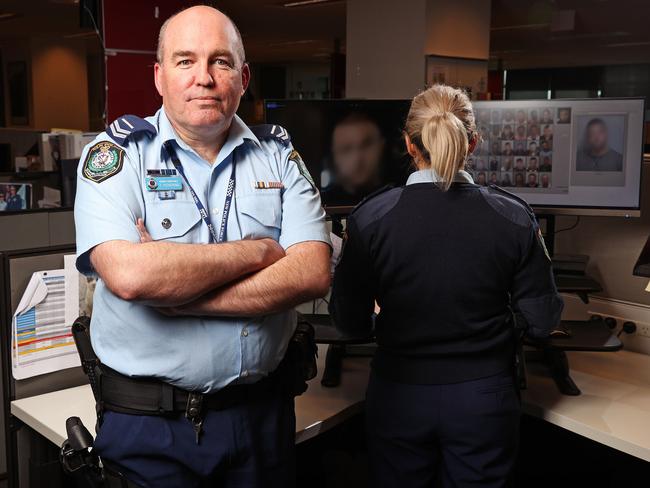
(61, 228)
(3, 410)
(24, 231)
(16, 269)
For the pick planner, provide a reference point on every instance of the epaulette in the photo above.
(529, 212)
(516, 198)
(372, 195)
(126, 126)
(271, 131)
(374, 206)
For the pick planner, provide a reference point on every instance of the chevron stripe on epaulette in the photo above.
(271, 131)
(128, 125)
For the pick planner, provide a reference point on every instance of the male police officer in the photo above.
(189, 315)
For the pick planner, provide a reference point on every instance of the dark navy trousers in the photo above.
(247, 446)
(457, 435)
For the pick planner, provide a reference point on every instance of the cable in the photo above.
(101, 42)
(571, 227)
(92, 19)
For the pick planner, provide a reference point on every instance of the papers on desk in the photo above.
(41, 337)
(337, 247)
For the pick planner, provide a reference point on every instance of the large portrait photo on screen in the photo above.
(599, 142)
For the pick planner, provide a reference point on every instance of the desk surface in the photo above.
(318, 410)
(614, 408)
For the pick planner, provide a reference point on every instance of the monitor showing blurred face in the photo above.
(357, 149)
(201, 75)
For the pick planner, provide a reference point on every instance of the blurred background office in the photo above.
(70, 67)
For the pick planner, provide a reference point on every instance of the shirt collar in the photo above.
(237, 135)
(430, 176)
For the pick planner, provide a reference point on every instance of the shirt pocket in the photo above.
(174, 220)
(260, 215)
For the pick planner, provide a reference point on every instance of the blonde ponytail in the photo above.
(441, 124)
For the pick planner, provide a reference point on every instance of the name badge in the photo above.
(164, 183)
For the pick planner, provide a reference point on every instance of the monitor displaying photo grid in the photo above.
(562, 153)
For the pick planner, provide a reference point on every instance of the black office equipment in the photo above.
(340, 346)
(68, 181)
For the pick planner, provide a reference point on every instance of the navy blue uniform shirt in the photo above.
(447, 269)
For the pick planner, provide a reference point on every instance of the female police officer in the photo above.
(449, 263)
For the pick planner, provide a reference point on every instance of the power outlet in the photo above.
(642, 328)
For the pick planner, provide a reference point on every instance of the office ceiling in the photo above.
(530, 33)
(524, 33)
(271, 31)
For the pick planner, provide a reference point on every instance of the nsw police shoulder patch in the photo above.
(295, 157)
(104, 159)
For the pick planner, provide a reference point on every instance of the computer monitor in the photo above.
(580, 157)
(351, 147)
(563, 156)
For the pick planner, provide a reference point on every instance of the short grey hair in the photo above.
(239, 47)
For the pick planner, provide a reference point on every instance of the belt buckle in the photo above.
(193, 412)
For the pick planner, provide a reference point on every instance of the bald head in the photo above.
(195, 18)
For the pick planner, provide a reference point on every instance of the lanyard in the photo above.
(230, 191)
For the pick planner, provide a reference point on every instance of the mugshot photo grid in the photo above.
(516, 147)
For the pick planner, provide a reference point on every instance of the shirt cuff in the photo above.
(317, 233)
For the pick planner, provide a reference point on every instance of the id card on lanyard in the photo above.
(230, 191)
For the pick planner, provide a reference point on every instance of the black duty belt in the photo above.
(136, 396)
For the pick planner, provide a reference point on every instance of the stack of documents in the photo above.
(41, 336)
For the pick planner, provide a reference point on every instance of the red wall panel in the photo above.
(132, 24)
(130, 36)
(130, 86)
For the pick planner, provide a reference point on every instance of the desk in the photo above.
(613, 410)
(318, 410)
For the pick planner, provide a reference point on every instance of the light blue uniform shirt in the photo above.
(201, 354)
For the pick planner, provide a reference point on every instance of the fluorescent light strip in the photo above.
(303, 3)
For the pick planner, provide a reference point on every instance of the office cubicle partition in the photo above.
(38, 461)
